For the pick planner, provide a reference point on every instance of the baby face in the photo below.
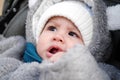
(58, 35)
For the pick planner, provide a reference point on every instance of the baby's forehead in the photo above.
(61, 20)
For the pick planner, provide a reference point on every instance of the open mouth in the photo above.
(54, 50)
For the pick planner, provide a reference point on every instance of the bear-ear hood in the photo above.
(101, 40)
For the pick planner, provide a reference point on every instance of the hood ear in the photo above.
(31, 3)
(113, 17)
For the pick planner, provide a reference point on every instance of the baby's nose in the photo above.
(58, 38)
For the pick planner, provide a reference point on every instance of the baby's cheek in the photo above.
(39, 46)
(72, 44)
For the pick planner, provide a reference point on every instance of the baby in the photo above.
(60, 28)
(59, 35)
(66, 40)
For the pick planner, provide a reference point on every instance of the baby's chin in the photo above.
(56, 57)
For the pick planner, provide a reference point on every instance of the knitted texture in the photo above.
(79, 13)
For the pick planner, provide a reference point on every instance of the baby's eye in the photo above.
(52, 28)
(73, 34)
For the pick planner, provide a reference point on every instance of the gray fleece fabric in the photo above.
(78, 63)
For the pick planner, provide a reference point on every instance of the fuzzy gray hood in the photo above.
(100, 45)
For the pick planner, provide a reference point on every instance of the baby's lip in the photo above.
(53, 50)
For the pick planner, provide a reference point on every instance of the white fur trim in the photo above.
(113, 14)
